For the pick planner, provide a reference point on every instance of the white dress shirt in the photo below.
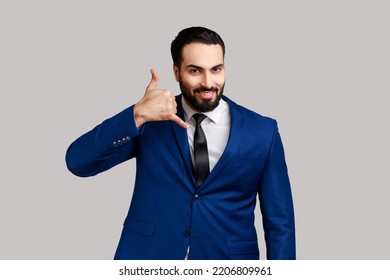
(216, 127)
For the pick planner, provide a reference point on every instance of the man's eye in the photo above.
(194, 71)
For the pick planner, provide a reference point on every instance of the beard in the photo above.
(201, 105)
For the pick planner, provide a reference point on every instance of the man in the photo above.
(201, 162)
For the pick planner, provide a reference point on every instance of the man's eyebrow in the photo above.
(217, 66)
(198, 67)
(194, 66)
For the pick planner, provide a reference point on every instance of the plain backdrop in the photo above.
(321, 68)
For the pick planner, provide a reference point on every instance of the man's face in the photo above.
(201, 75)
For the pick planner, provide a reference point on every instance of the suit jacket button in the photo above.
(187, 233)
(115, 144)
(128, 138)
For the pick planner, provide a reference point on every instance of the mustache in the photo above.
(200, 89)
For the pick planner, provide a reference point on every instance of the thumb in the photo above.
(154, 81)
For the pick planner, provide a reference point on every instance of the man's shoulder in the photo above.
(248, 114)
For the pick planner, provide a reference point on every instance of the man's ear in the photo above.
(176, 72)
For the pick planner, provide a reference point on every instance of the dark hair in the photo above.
(196, 34)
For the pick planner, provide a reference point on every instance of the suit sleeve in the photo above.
(108, 144)
(276, 204)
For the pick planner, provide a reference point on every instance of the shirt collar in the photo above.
(214, 115)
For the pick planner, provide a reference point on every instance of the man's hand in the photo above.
(156, 105)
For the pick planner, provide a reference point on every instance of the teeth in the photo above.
(206, 94)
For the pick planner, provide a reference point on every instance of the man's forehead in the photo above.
(202, 55)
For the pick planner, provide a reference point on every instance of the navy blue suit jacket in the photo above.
(168, 212)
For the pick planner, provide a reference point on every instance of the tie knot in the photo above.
(198, 118)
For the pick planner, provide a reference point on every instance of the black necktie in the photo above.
(201, 155)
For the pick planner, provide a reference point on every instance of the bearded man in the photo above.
(202, 160)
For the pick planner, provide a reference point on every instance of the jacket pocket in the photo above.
(248, 160)
(140, 227)
(243, 248)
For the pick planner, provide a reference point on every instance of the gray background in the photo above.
(321, 68)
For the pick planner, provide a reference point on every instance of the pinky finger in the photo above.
(179, 121)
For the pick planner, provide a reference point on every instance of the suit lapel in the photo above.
(182, 140)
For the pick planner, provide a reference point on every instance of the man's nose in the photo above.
(207, 80)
